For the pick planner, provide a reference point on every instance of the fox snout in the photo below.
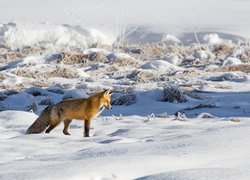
(109, 107)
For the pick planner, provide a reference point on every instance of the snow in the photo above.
(136, 48)
(213, 39)
(169, 39)
(19, 35)
(81, 24)
(160, 65)
(231, 61)
(224, 15)
(126, 149)
(173, 59)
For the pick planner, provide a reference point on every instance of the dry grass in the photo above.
(125, 62)
(240, 67)
(24, 73)
(143, 76)
(126, 99)
(13, 55)
(72, 58)
(3, 75)
(87, 59)
(47, 101)
(173, 94)
(62, 72)
(223, 50)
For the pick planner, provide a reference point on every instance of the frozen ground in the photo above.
(129, 148)
(180, 75)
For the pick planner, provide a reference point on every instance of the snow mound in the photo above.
(231, 76)
(75, 94)
(213, 39)
(231, 61)
(202, 54)
(20, 35)
(173, 59)
(160, 65)
(170, 39)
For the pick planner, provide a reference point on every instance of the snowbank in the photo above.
(213, 39)
(231, 61)
(160, 65)
(20, 35)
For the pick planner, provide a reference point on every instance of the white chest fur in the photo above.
(100, 111)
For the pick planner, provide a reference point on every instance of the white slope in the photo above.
(81, 23)
(187, 14)
(129, 148)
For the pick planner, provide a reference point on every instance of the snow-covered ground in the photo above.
(180, 75)
(128, 148)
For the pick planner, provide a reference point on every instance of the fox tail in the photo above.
(41, 122)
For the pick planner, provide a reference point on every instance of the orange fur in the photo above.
(80, 109)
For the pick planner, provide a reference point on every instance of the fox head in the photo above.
(106, 98)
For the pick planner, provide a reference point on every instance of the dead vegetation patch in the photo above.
(239, 67)
(144, 76)
(77, 58)
(126, 62)
(3, 75)
(13, 55)
(47, 101)
(62, 72)
(223, 50)
(24, 73)
(174, 93)
(126, 99)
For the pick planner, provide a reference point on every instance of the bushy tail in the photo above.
(41, 122)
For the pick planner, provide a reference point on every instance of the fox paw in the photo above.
(66, 133)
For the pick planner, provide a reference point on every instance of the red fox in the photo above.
(66, 110)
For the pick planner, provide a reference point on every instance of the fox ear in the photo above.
(107, 93)
(111, 92)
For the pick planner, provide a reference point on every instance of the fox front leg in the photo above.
(86, 128)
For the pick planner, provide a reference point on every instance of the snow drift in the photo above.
(45, 35)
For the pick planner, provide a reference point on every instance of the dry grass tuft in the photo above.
(24, 73)
(144, 76)
(46, 102)
(223, 50)
(125, 62)
(71, 58)
(126, 99)
(63, 72)
(13, 55)
(239, 67)
(3, 75)
(88, 59)
(174, 94)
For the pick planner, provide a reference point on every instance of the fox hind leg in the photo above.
(66, 126)
(55, 122)
(51, 126)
